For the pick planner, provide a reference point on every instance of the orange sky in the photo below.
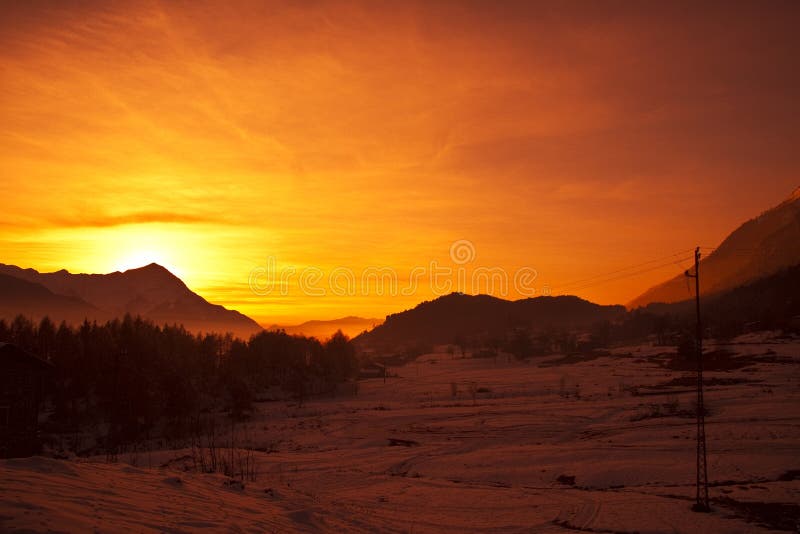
(574, 139)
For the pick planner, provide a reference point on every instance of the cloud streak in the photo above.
(342, 132)
(147, 217)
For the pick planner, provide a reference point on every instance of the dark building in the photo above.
(22, 377)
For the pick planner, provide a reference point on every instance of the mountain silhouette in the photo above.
(151, 291)
(30, 299)
(457, 314)
(758, 248)
(350, 325)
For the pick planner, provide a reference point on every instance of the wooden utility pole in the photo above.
(701, 496)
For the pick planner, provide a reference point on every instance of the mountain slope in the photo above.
(758, 248)
(350, 325)
(19, 296)
(457, 314)
(151, 291)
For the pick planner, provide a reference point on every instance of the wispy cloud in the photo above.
(342, 132)
(146, 217)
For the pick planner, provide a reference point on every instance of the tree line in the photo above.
(134, 375)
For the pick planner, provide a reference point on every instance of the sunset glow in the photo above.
(574, 140)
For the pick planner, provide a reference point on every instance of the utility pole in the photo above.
(701, 495)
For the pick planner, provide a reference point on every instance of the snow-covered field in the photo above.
(502, 459)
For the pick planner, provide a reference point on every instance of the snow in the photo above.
(488, 464)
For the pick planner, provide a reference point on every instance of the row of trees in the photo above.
(134, 374)
(524, 343)
(751, 308)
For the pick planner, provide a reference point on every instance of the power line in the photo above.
(627, 272)
(624, 276)
(628, 275)
(585, 282)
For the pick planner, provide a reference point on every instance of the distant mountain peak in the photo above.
(795, 195)
(150, 267)
(151, 291)
(155, 273)
(351, 325)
